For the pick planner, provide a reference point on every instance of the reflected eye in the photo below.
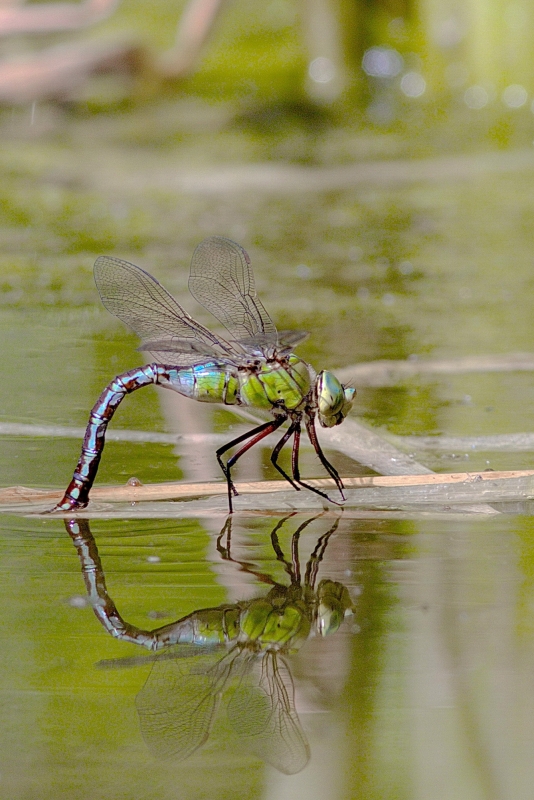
(334, 605)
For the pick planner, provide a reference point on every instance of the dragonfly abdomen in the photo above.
(209, 382)
(208, 626)
(77, 493)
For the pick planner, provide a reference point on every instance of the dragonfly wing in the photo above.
(175, 345)
(185, 352)
(290, 339)
(222, 280)
(262, 712)
(177, 706)
(285, 342)
(139, 300)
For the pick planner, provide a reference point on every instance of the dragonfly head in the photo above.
(334, 401)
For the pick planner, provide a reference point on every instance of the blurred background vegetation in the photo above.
(369, 63)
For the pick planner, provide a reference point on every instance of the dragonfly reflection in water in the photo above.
(255, 368)
(234, 653)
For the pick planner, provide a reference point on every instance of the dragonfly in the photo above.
(254, 367)
(233, 655)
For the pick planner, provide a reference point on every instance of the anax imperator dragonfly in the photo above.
(255, 367)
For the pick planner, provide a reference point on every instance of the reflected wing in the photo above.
(136, 298)
(185, 651)
(222, 280)
(177, 705)
(262, 712)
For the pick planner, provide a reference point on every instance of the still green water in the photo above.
(427, 690)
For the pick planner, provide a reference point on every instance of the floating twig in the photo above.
(134, 491)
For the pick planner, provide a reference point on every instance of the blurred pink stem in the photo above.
(194, 29)
(53, 16)
(60, 72)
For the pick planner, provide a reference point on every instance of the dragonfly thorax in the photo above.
(283, 382)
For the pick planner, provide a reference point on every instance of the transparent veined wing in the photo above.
(222, 280)
(262, 713)
(139, 300)
(285, 341)
(290, 339)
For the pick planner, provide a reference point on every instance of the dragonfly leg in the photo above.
(295, 464)
(295, 455)
(332, 471)
(222, 450)
(294, 429)
(316, 557)
(275, 542)
(77, 493)
(226, 532)
(295, 539)
(255, 436)
(244, 566)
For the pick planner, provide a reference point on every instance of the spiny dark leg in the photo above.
(255, 436)
(310, 427)
(233, 443)
(295, 467)
(77, 493)
(276, 452)
(295, 454)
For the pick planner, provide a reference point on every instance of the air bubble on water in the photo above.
(78, 601)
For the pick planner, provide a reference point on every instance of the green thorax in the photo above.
(284, 382)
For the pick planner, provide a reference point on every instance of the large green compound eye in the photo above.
(334, 400)
(330, 395)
